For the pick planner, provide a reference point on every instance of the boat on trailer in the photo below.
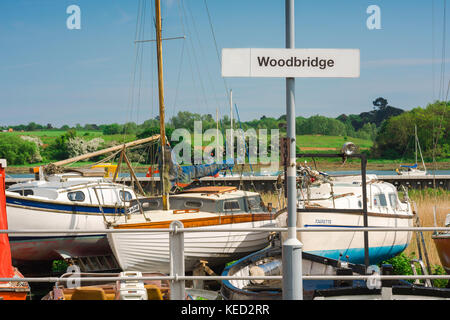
(385, 209)
(215, 207)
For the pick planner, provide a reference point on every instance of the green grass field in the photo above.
(47, 136)
(336, 142)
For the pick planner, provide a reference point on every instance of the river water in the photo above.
(355, 172)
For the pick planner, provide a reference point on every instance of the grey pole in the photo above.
(176, 246)
(292, 247)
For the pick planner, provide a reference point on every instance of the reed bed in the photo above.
(427, 202)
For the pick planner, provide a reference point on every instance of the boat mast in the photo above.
(161, 101)
(415, 140)
(231, 119)
(217, 134)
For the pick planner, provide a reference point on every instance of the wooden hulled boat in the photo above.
(204, 207)
(442, 242)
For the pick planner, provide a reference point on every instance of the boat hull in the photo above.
(149, 252)
(329, 244)
(241, 289)
(442, 242)
(38, 215)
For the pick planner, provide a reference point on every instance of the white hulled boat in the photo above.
(211, 207)
(69, 201)
(385, 209)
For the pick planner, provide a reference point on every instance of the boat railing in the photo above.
(177, 275)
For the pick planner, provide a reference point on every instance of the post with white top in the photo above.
(292, 247)
(176, 246)
(291, 63)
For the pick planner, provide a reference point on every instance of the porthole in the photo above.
(76, 196)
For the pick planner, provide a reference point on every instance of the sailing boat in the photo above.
(75, 199)
(412, 170)
(211, 207)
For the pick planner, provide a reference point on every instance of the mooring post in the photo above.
(176, 246)
(292, 247)
(365, 217)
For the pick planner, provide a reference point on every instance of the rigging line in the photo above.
(444, 27)
(136, 59)
(194, 83)
(194, 58)
(178, 81)
(153, 64)
(187, 48)
(197, 64)
(181, 59)
(433, 67)
(217, 50)
(208, 73)
(141, 68)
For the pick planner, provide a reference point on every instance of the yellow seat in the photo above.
(153, 292)
(89, 294)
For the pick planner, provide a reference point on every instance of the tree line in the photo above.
(390, 128)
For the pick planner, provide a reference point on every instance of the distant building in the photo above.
(10, 130)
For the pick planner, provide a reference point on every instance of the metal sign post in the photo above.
(292, 247)
(291, 63)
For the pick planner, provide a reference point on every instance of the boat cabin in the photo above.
(227, 200)
(74, 188)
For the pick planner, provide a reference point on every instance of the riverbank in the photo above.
(353, 165)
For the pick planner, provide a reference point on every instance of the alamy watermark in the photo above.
(212, 146)
(374, 281)
(374, 20)
(73, 22)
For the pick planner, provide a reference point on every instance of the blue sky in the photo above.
(50, 74)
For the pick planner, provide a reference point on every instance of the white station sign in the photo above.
(291, 63)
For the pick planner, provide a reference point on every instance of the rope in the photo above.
(217, 49)
(442, 78)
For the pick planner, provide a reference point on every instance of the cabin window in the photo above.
(193, 204)
(125, 195)
(380, 200)
(154, 204)
(76, 196)
(383, 201)
(393, 200)
(254, 203)
(26, 192)
(231, 205)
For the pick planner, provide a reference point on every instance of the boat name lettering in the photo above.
(323, 221)
(133, 209)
